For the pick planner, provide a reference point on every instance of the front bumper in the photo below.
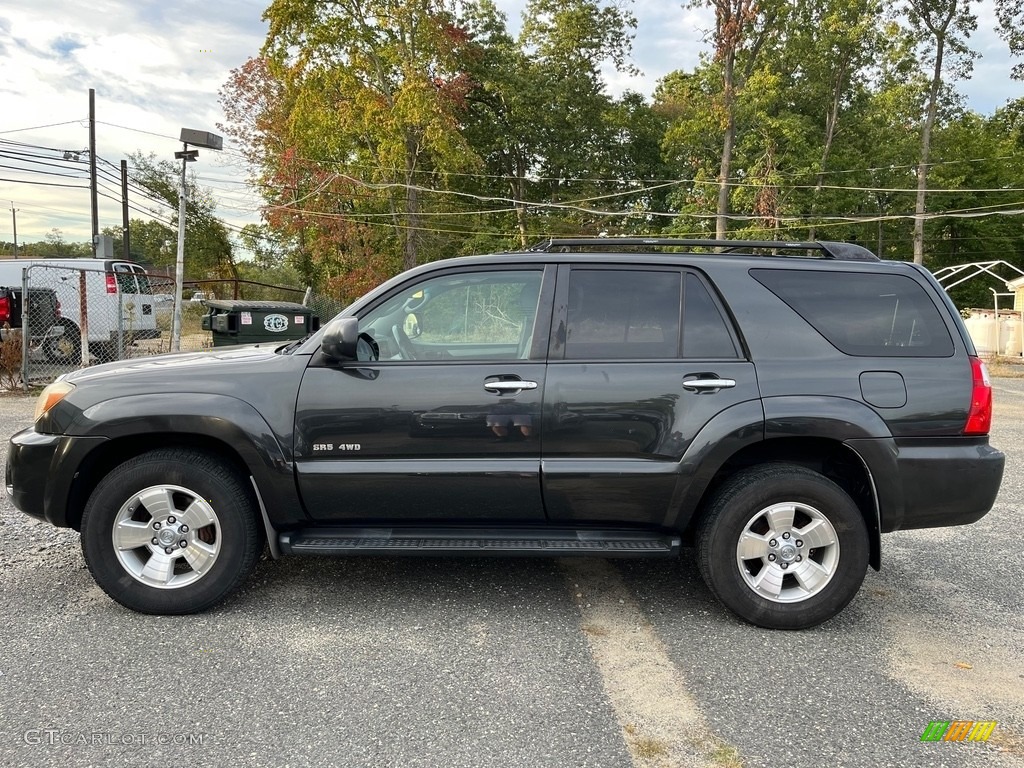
(39, 474)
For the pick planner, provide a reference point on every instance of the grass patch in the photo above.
(644, 747)
(727, 756)
(718, 752)
(648, 748)
(1006, 367)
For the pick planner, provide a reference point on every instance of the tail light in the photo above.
(5, 309)
(57, 311)
(111, 283)
(979, 418)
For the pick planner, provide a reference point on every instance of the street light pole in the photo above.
(198, 139)
(179, 263)
(14, 219)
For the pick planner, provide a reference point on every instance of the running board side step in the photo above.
(479, 542)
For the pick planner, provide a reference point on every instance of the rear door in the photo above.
(444, 425)
(636, 354)
(136, 298)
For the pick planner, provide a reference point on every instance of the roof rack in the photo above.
(824, 249)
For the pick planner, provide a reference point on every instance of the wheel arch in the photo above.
(221, 425)
(828, 457)
(834, 442)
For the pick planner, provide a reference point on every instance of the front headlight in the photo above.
(52, 395)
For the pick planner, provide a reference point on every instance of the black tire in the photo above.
(103, 351)
(159, 493)
(813, 584)
(65, 349)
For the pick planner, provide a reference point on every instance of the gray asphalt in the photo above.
(390, 662)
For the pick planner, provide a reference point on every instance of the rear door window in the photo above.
(863, 314)
(705, 333)
(125, 278)
(623, 315)
(143, 279)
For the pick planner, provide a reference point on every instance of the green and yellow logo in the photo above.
(958, 730)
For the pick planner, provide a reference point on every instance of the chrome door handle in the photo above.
(508, 386)
(703, 384)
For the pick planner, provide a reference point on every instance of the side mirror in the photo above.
(340, 339)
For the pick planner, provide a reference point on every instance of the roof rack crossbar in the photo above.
(825, 248)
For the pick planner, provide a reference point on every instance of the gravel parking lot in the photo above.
(390, 662)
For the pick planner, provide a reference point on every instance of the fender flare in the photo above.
(220, 417)
(856, 426)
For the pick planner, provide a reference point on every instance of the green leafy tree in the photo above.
(540, 116)
(942, 27)
(150, 242)
(743, 29)
(208, 249)
(376, 87)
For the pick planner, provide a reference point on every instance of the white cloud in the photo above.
(157, 67)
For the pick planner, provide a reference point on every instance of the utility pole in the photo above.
(14, 218)
(92, 172)
(124, 210)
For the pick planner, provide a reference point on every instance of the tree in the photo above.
(539, 115)
(149, 241)
(376, 88)
(208, 248)
(1010, 14)
(828, 60)
(54, 245)
(742, 28)
(942, 27)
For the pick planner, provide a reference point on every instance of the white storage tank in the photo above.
(981, 325)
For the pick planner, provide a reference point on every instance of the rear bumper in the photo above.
(929, 482)
(951, 482)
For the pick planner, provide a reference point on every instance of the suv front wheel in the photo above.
(783, 547)
(171, 531)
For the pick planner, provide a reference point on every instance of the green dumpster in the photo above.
(236, 321)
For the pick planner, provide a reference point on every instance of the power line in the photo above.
(37, 127)
(138, 130)
(44, 183)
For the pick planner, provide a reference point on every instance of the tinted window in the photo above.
(705, 333)
(864, 314)
(623, 314)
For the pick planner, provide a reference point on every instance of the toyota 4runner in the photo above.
(776, 406)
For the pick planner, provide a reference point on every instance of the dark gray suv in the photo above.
(777, 406)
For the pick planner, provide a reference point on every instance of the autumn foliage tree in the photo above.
(374, 89)
(385, 133)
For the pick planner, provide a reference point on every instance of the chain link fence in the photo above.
(79, 317)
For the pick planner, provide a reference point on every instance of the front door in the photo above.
(442, 422)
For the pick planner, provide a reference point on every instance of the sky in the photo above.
(156, 67)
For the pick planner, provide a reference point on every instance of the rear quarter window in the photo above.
(863, 314)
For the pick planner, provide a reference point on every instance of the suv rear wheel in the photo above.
(65, 348)
(171, 531)
(783, 547)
